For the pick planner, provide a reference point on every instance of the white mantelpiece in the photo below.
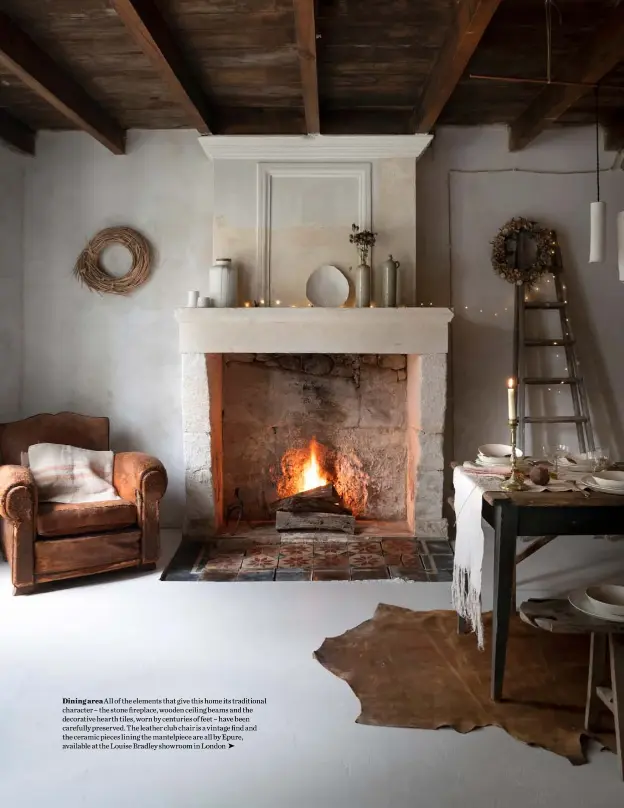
(415, 330)
(314, 147)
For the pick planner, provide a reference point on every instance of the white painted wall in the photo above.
(12, 167)
(468, 186)
(107, 355)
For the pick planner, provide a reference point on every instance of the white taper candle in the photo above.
(511, 399)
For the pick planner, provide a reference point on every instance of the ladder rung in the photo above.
(547, 343)
(545, 305)
(557, 419)
(553, 380)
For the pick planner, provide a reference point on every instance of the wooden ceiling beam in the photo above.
(602, 52)
(151, 33)
(614, 133)
(16, 134)
(305, 29)
(471, 20)
(39, 72)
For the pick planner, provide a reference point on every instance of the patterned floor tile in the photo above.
(216, 576)
(437, 546)
(442, 562)
(224, 561)
(440, 576)
(406, 574)
(330, 575)
(302, 559)
(392, 559)
(259, 561)
(364, 547)
(411, 559)
(398, 546)
(285, 574)
(427, 563)
(256, 575)
(366, 560)
(331, 546)
(381, 573)
(328, 561)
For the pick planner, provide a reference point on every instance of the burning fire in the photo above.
(311, 476)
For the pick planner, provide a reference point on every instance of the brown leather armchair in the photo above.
(51, 541)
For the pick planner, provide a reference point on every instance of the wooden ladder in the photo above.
(580, 410)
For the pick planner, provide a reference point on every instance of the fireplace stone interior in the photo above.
(376, 418)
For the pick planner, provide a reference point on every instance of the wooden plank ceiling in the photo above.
(294, 66)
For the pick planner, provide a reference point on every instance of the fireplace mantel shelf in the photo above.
(415, 330)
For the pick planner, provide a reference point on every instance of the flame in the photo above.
(311, 476)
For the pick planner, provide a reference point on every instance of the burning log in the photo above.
(337, 522)
(315, 499)
(316, 509)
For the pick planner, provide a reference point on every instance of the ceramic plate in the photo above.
(591, 483)
(327, 287)
(580, 601)
(499, 450)
(609, 479)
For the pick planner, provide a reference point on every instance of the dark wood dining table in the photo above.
(529, 513)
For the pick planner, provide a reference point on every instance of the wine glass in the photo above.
(599, 458)
(554, 454)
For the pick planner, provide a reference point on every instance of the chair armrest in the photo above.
(135, 471)
(18, 494)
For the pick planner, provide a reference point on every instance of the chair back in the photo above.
(69, 428)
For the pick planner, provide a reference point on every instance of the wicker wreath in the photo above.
(90, 272)
(504, 246)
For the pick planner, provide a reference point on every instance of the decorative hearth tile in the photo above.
(392, 560)
(330, 575)
(366, 560)
(398, 546)
(218, 577)
(411, 560)
(295, 574)
(437, 546)
(365, 546)
(296, 556)
(442, 562)
(326, 561)
(260, 561)
(224, 560)
(256, 575)
(381, 573)
(407, 574)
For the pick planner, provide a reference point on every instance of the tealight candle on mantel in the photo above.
(511, 399)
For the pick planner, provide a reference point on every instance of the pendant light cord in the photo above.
(597, 147)
(548, 10)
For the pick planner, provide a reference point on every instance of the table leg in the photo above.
(616, 652)
(596, 677)
(505, 535)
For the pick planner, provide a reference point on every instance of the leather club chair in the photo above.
(48, 541)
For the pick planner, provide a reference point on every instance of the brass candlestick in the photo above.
(514, 482)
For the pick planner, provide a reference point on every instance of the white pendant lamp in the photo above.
(598, 211)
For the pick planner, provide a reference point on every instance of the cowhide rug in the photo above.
(412, 669)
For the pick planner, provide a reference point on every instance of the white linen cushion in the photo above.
(69, 474)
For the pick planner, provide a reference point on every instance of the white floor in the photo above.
(137, 637)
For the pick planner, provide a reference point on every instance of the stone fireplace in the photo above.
(376, 413)
(263, 385)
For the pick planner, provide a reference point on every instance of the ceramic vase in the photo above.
(389, 278)
(362, 286)
(223, 284)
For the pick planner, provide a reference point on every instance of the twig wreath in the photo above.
(90, 272)
(505, 245)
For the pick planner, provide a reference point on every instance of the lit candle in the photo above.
(511, 398)
(247, 304)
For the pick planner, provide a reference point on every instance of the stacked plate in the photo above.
(495, 454)
(575, 464)
(606, 482)
(605, 601)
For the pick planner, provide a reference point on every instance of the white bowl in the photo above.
(607, 599)
(610, 479)
(497, 451)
